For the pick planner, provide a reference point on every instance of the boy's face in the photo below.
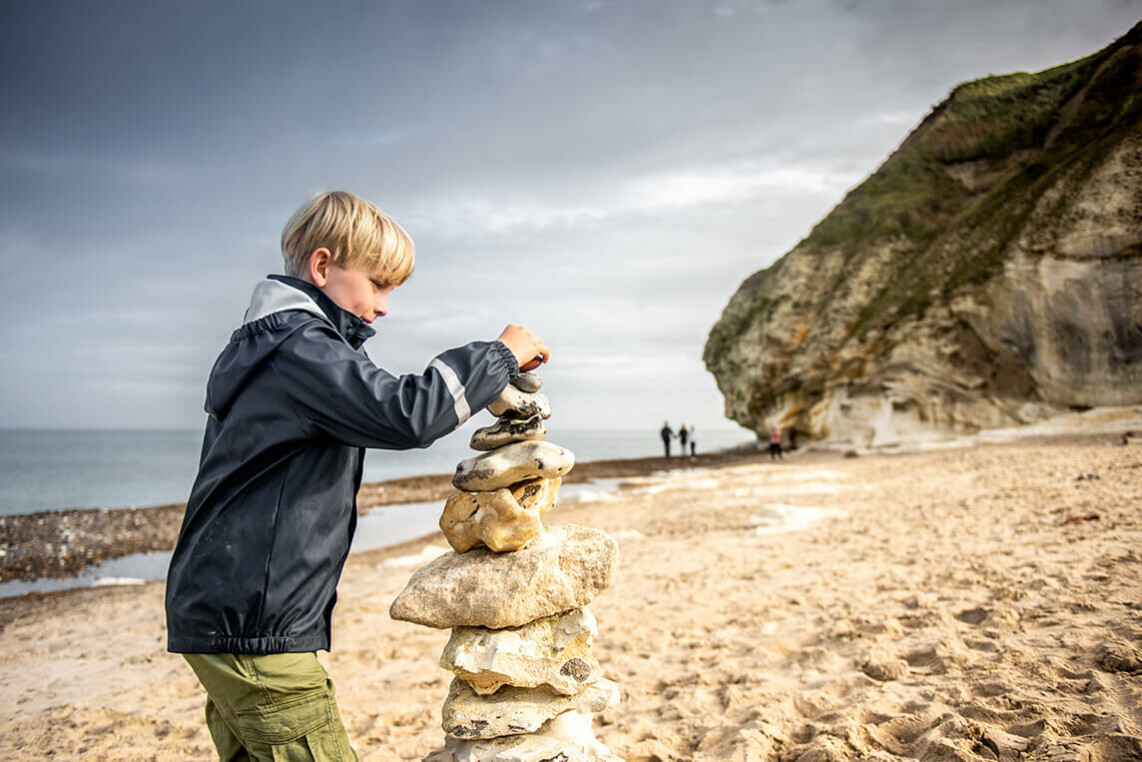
(358, 292)
(353, 290)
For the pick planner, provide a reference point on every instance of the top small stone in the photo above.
(528, 382)
(514, 403)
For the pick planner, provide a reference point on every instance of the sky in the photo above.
(606, 173)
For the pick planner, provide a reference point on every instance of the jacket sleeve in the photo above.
(342, 394)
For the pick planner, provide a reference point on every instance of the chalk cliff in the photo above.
(989, 273)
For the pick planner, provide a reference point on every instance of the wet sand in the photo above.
(966, 604)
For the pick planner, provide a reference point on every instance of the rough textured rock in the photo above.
(528, 382)
(985, 275)
(538, 494)
(503, 520)
(565, 569)
(511, 711)
(516, 403)
(566, 738)
(510, 464)
(507, 430)
(553, 651)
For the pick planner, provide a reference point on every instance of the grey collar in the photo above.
(272, 296)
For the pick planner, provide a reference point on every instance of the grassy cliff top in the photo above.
(950, 200)
(1016, 134)
(991, 121)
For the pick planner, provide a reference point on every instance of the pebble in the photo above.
(528, 382)
(507, 430)
(512, 463)
(514, 403)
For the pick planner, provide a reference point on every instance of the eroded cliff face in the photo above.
(988, 274)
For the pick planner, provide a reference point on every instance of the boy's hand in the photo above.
(528, 348)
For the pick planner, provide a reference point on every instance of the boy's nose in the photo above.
(382, 305)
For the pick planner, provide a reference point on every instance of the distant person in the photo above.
(775, 443)
(683, 434)
(693, 443)
(293, 401)
(667, 434)
(792, 438)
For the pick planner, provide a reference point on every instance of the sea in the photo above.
(57, 469)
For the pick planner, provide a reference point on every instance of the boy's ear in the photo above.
(318, 268)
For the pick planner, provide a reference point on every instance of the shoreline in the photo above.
(61, 544)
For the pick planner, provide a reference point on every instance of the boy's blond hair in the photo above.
(357, 234)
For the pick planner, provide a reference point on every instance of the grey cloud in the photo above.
(605, 159)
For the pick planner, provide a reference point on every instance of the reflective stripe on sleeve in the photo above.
(455, 388)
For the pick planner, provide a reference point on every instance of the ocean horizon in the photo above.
(63, 469)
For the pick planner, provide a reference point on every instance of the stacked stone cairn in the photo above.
(526, 686)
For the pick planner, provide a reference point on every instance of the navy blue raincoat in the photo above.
(293, 401)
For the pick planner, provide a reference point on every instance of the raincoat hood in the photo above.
(263, 330)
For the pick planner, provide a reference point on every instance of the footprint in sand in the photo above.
(1116, 656)
(974, 616)
(884, 667)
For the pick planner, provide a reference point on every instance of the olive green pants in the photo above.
(277, 707)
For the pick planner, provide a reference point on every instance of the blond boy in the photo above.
(293, 401)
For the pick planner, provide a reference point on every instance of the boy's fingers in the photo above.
(528, 348)
(542, 355)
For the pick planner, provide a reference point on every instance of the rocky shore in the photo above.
(63, 543)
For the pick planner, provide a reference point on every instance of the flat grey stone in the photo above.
(565, 568)
(528, 382)
(507, 430)
(512, 463)
(511, 711)
(514, 403)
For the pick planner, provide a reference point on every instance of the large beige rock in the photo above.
(510, 464)
(566, 738)
(516, 403)
(512, 711)
(565, 569)
(553, 651)
(503, 520)
(507, 430)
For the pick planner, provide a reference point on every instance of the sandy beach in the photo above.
(964, 604)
